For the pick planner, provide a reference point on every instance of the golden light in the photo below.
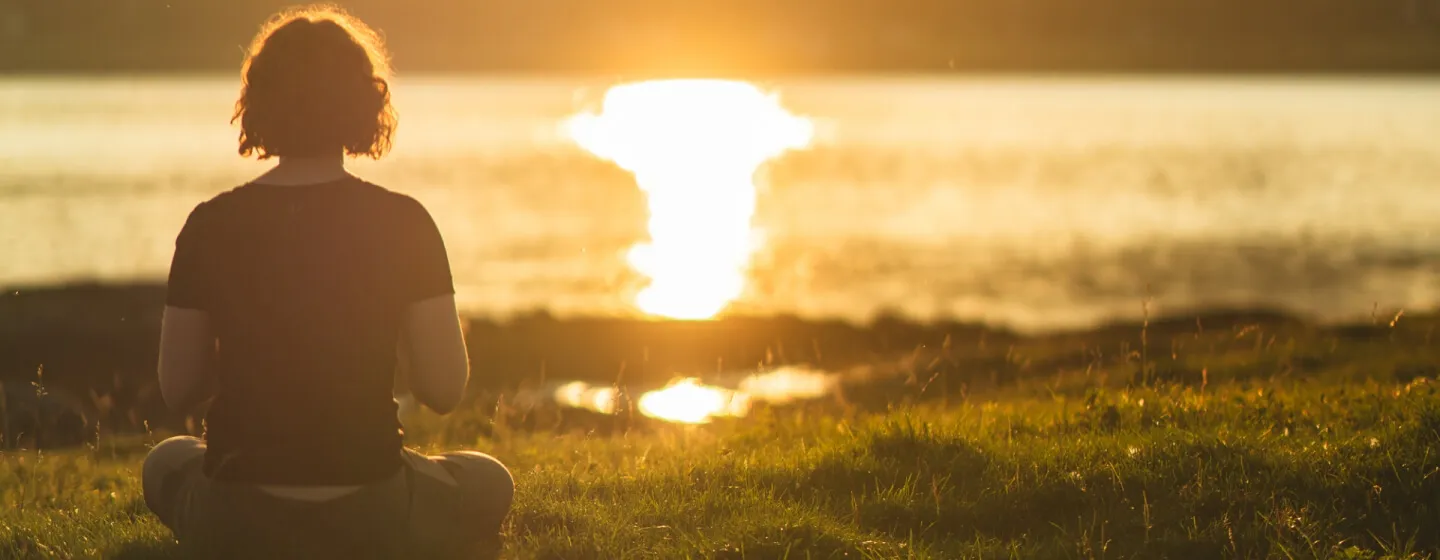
(689, 402)
(694, 147)
(579, 394)
(788, 384)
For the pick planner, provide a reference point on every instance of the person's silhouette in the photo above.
(292, 300)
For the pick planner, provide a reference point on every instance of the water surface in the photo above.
(1032, 203)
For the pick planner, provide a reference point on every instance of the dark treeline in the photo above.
(757, 36)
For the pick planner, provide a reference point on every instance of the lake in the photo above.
(1033, 203)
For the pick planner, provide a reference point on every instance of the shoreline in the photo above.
(93, 345)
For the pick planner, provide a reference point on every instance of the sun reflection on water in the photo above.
(687, 401)
(578, 394)
(694, 147)
(788, 384)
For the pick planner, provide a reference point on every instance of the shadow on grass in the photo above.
(146, 550)
(150, 550)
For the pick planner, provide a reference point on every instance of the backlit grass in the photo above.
(1069, 462)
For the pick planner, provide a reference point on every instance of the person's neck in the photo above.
(305, 170)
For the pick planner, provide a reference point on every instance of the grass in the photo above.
(1266, 442)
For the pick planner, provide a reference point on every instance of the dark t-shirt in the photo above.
(306, 287)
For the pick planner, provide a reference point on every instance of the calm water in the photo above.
(1032, 203)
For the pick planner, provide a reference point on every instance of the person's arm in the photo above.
(187, 337)
(187, 350)
(433, 347)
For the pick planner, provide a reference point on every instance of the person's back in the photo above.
(289, 300)
(306, 287)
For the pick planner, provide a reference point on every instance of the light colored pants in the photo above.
(444, 506)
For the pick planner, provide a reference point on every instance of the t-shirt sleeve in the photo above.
(189, 283)
(424, 271)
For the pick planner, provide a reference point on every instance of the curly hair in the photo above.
(315, 82)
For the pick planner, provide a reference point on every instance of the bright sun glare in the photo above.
(694, 147)
(687, 401)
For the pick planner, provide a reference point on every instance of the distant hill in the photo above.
(757, 36)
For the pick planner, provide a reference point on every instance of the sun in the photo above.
(694, 147)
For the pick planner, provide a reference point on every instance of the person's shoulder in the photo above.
(206, 211)
(403, 204)
(225, 198)
(214, 206)
(209, 207)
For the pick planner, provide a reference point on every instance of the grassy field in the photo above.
(1267, 440)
